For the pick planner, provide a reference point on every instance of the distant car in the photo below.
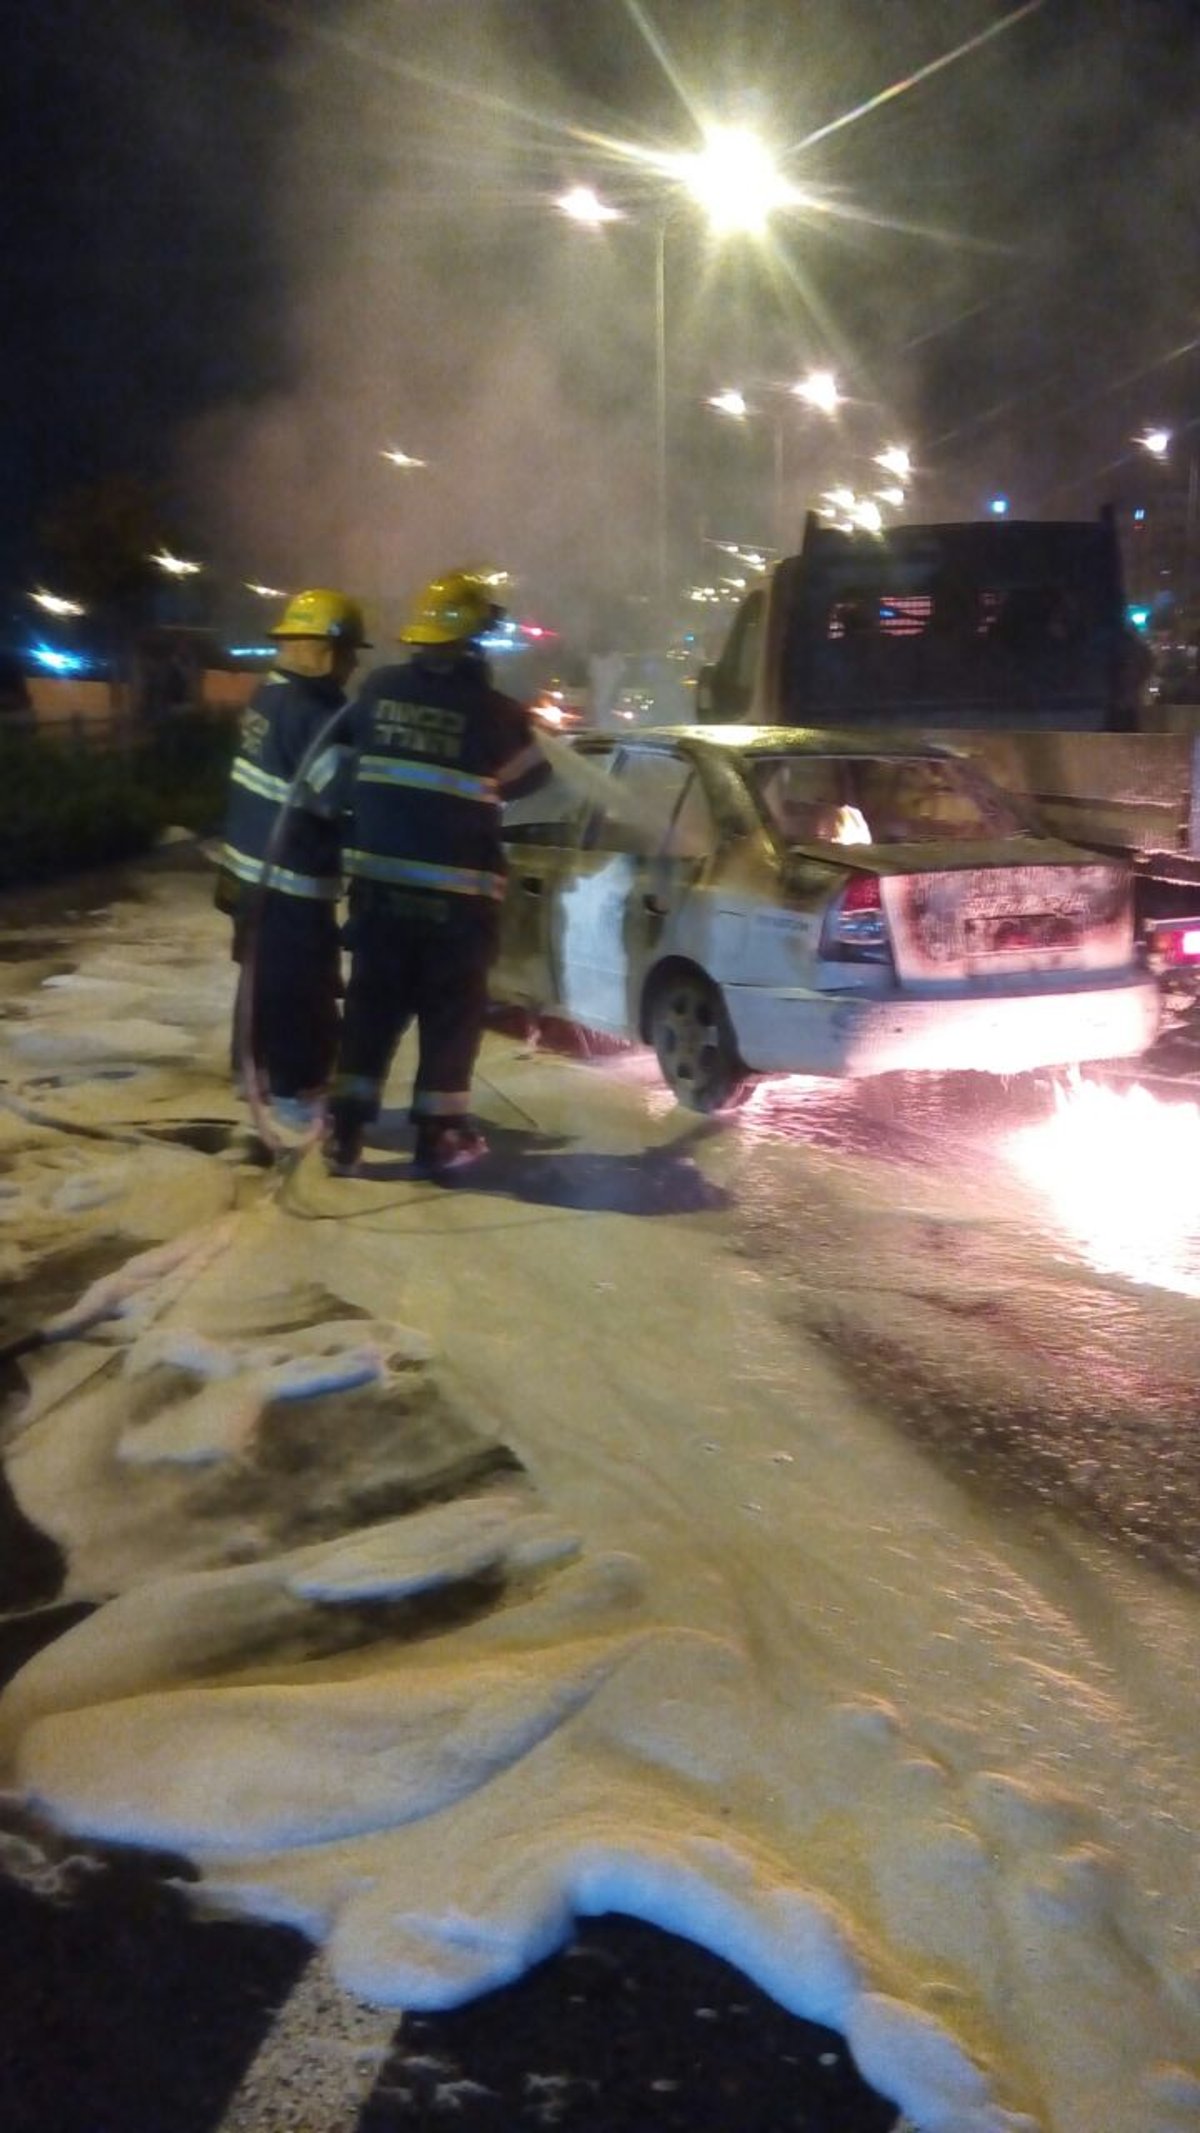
(653, 691)
(563, 709)
(764, 900)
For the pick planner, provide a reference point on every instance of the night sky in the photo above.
(249, 245)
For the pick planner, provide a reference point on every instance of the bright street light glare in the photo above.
(175, 566)
(867, 514)
(1156, 442)
(820, 390)
(402, 459)
(54, 604)
(841, 499)
(896, 460)
(895, 497)
(265, 592)
(729, 403)
(582, 204)
(734, 178)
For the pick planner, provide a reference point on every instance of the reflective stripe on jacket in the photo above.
(436, 751)
(283, 718)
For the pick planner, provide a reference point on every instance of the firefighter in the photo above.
(435, 751)
(285, 937)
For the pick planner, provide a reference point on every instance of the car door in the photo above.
(541, 836)
(640, 855)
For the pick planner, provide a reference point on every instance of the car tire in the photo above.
(694, 1043)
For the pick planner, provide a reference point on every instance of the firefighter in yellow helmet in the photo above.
(436, 750)
(280, 873)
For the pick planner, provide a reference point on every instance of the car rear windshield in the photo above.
(811, 799)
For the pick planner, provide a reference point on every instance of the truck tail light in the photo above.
(1174, 943)
(855, 929)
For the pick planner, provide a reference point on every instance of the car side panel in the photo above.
(842, 1034)
(521, 974)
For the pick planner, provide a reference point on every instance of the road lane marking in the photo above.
(317, 2064)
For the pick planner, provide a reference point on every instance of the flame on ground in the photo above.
(1120, 1171)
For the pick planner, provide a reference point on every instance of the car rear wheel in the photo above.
(694, 1043)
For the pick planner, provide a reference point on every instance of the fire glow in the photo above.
(1120, 1170)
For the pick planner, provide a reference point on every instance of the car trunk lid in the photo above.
(951, 923)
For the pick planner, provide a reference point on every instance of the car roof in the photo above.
(790, 740)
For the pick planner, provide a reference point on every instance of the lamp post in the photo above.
(735, 182)
(178, 569)
(1158, 442)
(406, 464)
(818, 389)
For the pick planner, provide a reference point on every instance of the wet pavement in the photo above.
(126, 2013)
(1073, 1396)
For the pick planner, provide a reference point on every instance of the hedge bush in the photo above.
(65, 807)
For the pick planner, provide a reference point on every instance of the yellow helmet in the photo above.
(321, 613)
(453, 608)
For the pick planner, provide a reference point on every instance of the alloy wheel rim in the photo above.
(690, 1038)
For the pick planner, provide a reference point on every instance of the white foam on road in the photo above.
(753, 1667)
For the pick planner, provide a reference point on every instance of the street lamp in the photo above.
(174, 566)
(733, 404)
(730, 403)
(54, 604)
(820, 390)
(407, 464)
(264, 592)
(736, 183)
(895, 459)
(582, 204)
(1158, 442)
(735, 180)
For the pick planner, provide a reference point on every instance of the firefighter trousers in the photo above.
(290, 957)
(413, 957)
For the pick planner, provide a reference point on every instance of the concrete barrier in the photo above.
(228, 689)
(96, 713)
(57, 702)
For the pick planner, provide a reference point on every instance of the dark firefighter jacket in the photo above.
(435, 753)
(283, 718)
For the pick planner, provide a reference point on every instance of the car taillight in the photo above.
(861, 893)
(855, 929)
(550, 710)
(1176, 943)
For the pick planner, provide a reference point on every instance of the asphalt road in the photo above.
(123, 2014)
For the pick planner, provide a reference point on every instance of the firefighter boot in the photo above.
(444, 1145)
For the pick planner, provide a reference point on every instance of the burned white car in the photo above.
(768, 900)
